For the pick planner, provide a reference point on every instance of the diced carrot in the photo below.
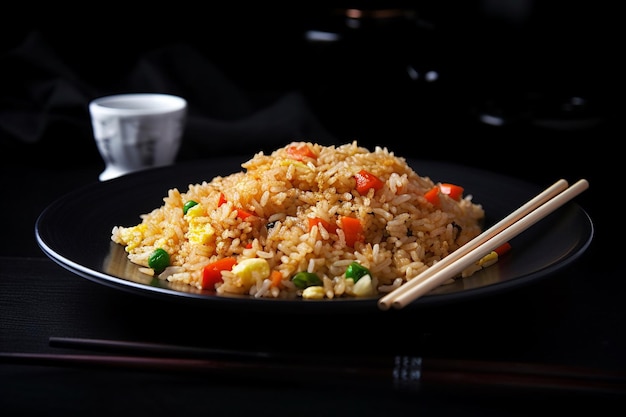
(222, 199)
(242, 214)
(502, 249)
(352, 229)
(331, 228)
(276, 277)
(454, 191)
(432, 196)
(212, 273)
(300, 151)
(366, 180)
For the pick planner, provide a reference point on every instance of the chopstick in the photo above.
(399, 372)
(157, 348)
(519, 220)
(181, 351)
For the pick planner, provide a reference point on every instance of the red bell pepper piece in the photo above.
(454, 191)
(212, 273)
(366, 180)
(300, 151)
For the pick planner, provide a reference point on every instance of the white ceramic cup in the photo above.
(137, 131)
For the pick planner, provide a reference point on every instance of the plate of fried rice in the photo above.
(304, 227)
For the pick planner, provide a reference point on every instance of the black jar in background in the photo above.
(375, 75)
(486, 73)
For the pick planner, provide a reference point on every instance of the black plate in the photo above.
(75, 231)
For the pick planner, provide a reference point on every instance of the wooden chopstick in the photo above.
(224, 370)
(107, 345)
(400, 372)
(163, 350)
(497, 376)
(519, 220)
(395, 376)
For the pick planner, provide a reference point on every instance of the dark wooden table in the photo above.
(574, 318)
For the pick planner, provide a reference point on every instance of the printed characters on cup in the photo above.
(137, 131)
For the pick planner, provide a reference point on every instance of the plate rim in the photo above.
(306, 306)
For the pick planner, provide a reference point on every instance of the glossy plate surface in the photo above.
(75, 231)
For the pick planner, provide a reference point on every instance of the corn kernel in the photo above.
(315, 292)
(488, 260)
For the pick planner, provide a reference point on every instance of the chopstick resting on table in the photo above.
(399, 372)
(519, 220)
(160, 349)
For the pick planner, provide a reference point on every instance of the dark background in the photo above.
(547, 74)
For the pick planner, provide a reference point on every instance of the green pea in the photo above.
(189, 204)
(159, 260)
(355, 271)
(305, 279)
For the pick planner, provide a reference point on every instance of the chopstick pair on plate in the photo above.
(519, 220)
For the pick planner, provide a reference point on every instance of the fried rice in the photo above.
(300, 221)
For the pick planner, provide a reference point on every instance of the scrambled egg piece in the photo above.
(132, 236)
(249, 270)
(200, 231)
